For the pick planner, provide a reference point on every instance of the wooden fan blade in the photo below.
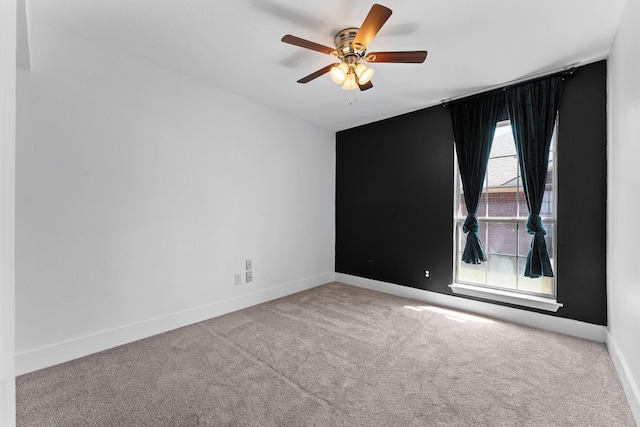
(376, 18)
(297, 41)
(367, 85)
(409, 57)
(317, 74)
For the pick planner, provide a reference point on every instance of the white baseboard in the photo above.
(44, 357)
(629, 384)
(551, 323)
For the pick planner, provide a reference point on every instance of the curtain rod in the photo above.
(568, 70)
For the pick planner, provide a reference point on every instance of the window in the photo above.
(502, 215)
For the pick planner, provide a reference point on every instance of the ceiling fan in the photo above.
(351, 48)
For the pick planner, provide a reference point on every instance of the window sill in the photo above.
(548, 304)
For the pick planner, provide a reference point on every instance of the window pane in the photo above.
(501, 271)
(551, 229)
(524, 240)
(502, 174)
(502, 238)
(482, 232)
(523, 209)
(462, 238)
(546, 208)
(482, 205)
(541, 285)
(470, 273)
(502, 203)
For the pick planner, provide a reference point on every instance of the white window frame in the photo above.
(517, 297)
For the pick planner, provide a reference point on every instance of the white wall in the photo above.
(623, 281)
(140, 192)
(7, 206)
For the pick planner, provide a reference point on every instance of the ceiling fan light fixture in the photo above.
(339, 73)
(364, 73)
(351, 47)
(350, 82)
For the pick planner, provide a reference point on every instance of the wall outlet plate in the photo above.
(249, 265)
(238, 279)
(249, 276)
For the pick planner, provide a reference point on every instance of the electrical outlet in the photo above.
(238, 279)
(249, 265)
(427, 273)
(249, 276)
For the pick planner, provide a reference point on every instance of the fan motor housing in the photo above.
(343, 41)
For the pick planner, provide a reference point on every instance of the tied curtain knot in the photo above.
(473, 252)
(534, 225)
(471, 224)
(538, 262)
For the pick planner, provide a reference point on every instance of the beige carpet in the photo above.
(334, 356)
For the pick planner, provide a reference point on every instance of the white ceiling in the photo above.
(235, 45)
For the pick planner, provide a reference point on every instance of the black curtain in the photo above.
(533, 108)
(474, 123)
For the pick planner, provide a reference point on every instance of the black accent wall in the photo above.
(394, 199)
